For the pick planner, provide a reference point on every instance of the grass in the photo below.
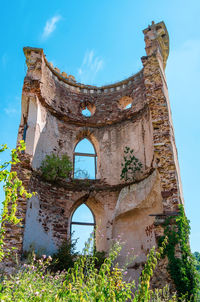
(83, 282)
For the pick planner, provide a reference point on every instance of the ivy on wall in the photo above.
(181, 263)
(14, 190)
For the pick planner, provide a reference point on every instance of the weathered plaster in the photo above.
(52, 105)
(35, 238)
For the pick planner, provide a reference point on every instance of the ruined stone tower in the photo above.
(52, 121)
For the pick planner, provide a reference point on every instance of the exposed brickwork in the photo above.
(52, 105)
(162, 132)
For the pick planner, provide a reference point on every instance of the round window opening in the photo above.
(128, 106)
(87, 109)
(86, 112)
(125, 103)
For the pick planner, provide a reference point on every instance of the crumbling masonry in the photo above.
(52, 119)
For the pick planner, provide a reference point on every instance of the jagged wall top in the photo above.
(156, 38)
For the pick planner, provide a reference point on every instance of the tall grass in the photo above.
(84, 282)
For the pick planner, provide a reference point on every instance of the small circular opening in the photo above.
(86, 112)
(87, 109)
(125, 103)
(128, 106)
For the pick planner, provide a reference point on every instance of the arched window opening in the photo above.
(85, 160)
(82, 228)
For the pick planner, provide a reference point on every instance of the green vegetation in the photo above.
(65, 257)
(181, 261)
(197, 260)
(83, 282)
(93, 277)
(13, 189)
(53, 167)
(130, 166)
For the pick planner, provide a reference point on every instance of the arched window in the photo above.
(85, 160)
(82, 227)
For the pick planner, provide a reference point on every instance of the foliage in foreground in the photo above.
(13, 189)
(65, 256)
(84, 282)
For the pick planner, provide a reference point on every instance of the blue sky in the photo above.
(101, 42)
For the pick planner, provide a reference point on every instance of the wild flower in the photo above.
(83, 282)
(50, 259)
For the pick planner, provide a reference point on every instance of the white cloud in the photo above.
(90, 66)
(4, 60)
(50, 26)
(10, 111)
(13, 107)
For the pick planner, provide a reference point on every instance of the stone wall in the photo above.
(52, 121)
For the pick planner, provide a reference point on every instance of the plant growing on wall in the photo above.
(13, 189)
(197, 260)
(54, 167)
(130, 166)
(181, 261)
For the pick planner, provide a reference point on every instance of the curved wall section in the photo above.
(65, 100)
(60, 122)
(53, 108)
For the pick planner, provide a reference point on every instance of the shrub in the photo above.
(65, 257)
(53, 167)
(100, 257)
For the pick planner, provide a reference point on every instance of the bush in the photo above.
(53, 167)
(65, 257)
(100, 257)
